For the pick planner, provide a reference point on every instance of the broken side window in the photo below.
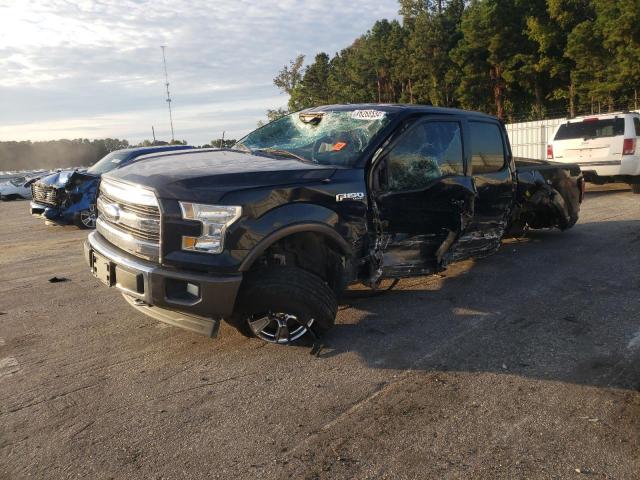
(428, 151)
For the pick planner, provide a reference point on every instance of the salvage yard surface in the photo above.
(525, 364)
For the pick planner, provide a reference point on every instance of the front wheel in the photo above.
(281, 304)
(635, 188)
(87, 218)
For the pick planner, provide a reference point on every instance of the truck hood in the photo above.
(204, 176)
(65, 177)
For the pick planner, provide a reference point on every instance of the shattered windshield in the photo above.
(330, 138)
(107, 163)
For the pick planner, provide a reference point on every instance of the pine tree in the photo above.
(512, 58)
(313, 89)
(433, 73)
(618, 25)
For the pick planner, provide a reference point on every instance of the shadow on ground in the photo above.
(543, 307)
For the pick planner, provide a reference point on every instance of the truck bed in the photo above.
(528, 164)
(549, 194)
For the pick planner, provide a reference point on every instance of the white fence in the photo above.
(530, 139)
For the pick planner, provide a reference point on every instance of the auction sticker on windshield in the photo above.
(367, 115)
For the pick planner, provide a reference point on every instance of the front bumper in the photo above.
(189, 300)
(45, 211)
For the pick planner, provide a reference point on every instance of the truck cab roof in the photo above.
(400, 108)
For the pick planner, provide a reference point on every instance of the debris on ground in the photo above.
(584, 471)
(58, 280)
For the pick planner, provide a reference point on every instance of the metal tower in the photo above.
(166, 78)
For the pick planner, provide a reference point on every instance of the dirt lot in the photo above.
(522, 365)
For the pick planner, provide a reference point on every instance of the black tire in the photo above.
(572, 221)
(287, 295)
(635, 188)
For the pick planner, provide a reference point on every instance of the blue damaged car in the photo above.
(69, 196)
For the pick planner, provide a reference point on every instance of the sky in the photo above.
(93, 68)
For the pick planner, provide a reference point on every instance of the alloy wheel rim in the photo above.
(88, 217)
(280, 328)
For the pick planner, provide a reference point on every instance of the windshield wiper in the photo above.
(284, 153)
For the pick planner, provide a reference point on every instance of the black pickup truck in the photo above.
(269, 233)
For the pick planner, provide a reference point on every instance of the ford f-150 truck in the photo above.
(269, 233)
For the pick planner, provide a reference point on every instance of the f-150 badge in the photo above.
(349, 196)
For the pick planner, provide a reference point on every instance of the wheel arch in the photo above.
(323, 230)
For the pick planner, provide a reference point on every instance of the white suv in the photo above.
(605, 146)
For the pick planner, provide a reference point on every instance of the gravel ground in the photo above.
(525, 364)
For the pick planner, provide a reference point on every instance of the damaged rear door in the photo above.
(493, 176)
(423, 196)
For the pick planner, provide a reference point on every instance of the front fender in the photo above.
(287, 220)
(84, 199)
(247, 239)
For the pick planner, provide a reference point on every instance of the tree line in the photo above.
(52, 154)
(80, 152)
(516, 59)
(56, 153)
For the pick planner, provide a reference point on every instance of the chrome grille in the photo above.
(132, 207)
(129, 218)
(142, 223)
(46, 194)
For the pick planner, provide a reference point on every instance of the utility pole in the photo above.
(153, 133)
(166, 79)
(222, 141)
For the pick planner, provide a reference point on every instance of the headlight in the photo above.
(215, 219)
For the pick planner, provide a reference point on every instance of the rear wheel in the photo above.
(282, 304)
(635, 188)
